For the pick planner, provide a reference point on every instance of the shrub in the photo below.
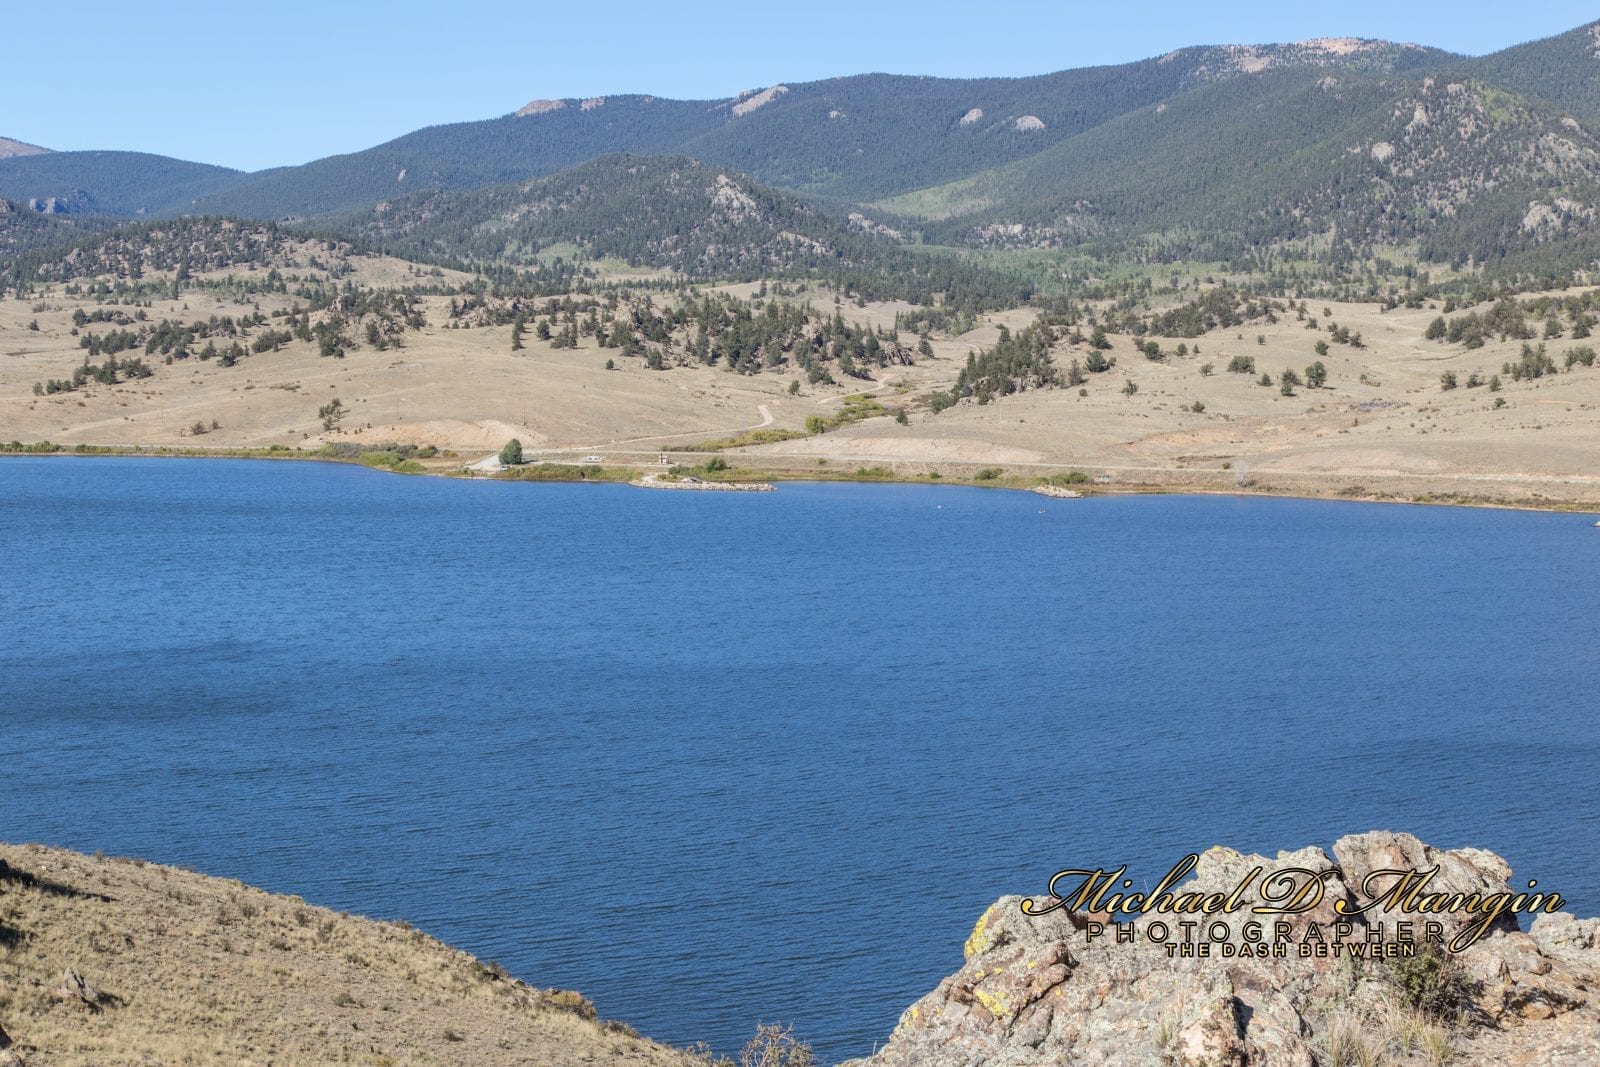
(569, 1001)
(987, 474)
(775, 1046)
(511, 453)
(1433, 982)
(331, 413)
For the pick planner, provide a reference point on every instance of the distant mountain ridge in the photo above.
(848, 139)
(1467, 169)
(1207, 152)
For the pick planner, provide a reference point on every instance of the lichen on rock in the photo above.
(1040, 989)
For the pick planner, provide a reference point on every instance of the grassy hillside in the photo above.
(185, 969)
(10, 148)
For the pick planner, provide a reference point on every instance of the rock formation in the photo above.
(1058, 987)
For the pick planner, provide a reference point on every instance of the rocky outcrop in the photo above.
(76, 991)
(652, 481)
(1063, 987)
(539, 107)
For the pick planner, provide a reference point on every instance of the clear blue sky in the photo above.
(260, 85)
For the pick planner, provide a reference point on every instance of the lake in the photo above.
(716, 759)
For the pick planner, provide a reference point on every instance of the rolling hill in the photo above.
(673, 213)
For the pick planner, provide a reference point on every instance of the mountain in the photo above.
(544, 137)
(670, 212)
(1326, 149)
(10, 149)
(848, 139)
(1463, 169)
(108, 183)
(1564, 70)
(864, 137)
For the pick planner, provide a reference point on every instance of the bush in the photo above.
(988, 474)
(331, 414)
(511, 454)
(569, 1001)
(775, 1046)
(341, 450)
(1433, 982)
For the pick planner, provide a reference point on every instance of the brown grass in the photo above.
(198, 970)
(1382, 428)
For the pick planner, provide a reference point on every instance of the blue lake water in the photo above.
(716, 759)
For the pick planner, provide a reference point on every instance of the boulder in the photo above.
(1037, 989)
(75, 989)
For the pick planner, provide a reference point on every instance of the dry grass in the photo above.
(1382, 427)
(1381, 1035)
(197, 970)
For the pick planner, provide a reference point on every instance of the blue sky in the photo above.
(254, 86)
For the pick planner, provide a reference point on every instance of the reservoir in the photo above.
(724, 758)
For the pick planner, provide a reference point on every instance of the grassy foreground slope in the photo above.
(187, 969)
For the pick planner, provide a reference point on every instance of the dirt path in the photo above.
(767, 419)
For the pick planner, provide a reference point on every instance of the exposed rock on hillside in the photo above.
(752, 100)
(1040, 990)
(540, 107)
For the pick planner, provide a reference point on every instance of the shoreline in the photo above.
(734, 479)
